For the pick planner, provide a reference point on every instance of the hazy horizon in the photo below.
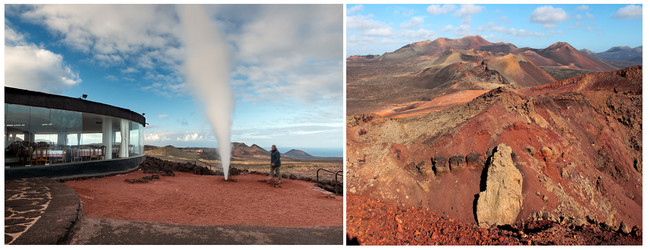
(323, 152)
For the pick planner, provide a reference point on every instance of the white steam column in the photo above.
(207, 68)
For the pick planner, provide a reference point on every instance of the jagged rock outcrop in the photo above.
(502, 198)
(475, 161)
(440, 164)
(456, 163)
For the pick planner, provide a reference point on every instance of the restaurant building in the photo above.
(57, 136)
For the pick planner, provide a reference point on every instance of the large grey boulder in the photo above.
(502, 199)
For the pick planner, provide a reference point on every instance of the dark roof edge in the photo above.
(44, 100)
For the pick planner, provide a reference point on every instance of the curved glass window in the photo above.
(43, 136)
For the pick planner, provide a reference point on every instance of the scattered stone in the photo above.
(636, 232)
(502, 199)
(152, 165)
(293, 176)
(420, 167)
(143, 179)
(623, 228)
(637, 165)
(531, 150)
(592, 219)
(546, 152)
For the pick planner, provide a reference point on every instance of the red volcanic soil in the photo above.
(438, 103)
(373, 222)
(209, 200)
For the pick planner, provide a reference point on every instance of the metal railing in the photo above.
(336, 178)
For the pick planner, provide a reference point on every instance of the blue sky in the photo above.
(286, 68)
(380, 28)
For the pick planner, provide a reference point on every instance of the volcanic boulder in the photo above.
(502, 198)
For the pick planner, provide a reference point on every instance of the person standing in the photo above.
(275, 164)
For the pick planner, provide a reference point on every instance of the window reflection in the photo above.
(42, 136)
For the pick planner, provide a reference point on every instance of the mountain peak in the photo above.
(559, 45)
(297, 153)
(475, 38)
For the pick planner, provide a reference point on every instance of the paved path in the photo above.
(39, 211)
(101, 231)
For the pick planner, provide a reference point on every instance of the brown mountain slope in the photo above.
(577, 144)
(375, 86)
(433, 48)
(422, 71)
(563, 54)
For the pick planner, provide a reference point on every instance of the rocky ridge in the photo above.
(577, 144)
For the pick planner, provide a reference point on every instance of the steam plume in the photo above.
(207, 69)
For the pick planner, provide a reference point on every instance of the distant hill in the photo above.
(243, 151)
(240, 151)
(411, 76)
(620, 56)
(298, 154)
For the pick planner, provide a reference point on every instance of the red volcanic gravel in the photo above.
(373, 222)
(209, 200)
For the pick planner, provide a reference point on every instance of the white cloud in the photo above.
(486, 26)
(468, 9)
(548, 16)
(583, 7)
(368, 26)
(163, 116)
(354, 9)
(111, 33)
(275, 48)
(129, 70)
(523, 32)
(418, 35)
(153, 138)
(13, 37)
(492, 27)
(191, 137)
(440, 9)
(414, 22)
(448, 27)
(589, 15)
(30, 67)
(289, 53)
(463, 30)
(629, 12)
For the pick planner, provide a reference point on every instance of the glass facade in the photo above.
(45, 136)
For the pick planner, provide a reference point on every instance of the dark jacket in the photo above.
(275, 157)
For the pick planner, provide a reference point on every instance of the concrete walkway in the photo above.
(39, 211)
(101, 231)
(42, 211)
